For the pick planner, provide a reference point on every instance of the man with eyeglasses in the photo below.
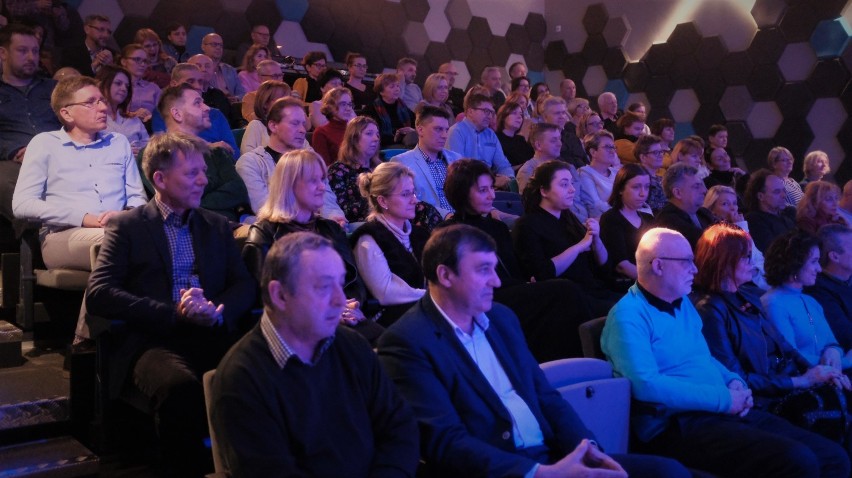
(473, 138)
(88, 57)
(78, 178)
(259, 35)
(24, 113)
(267, 70)
(224, 75)
(456, 94)
(704, 416)
(684, 211)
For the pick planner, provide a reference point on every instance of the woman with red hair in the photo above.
(818, 207)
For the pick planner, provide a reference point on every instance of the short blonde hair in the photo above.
(281, 203)
(815, 193)
(811, 159)
(331, 98)
(716, 192)
(64, 92)
(430, 86)
(381, 182)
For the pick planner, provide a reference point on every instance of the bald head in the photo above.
(665, 264)
(568, 89)
(213, 46)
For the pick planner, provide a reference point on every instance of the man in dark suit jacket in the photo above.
(172, 272)
(87, 57)
(683, 212)
(483, 404)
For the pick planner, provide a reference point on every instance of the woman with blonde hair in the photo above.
(388, 247)
(780, 161)
(722, 202)
(160, 64)
(815, 167)
(338, 108)
(248, 74)
(818, 207)
(296, 189)
(436, 92)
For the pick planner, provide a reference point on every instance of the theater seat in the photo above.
(601, 401)
(590, 338)
(219, 468)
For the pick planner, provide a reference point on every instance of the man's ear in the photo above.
(177, 114)
(277, 295)
(445, 276)
(158, 178)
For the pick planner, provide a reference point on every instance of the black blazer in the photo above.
(132, 282)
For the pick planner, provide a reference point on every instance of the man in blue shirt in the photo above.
(653, 337)
(483, 404)
(473, 138)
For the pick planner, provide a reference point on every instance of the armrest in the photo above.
(653, 409)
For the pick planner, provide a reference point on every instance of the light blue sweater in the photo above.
(666, 360)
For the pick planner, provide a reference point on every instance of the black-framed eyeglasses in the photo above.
(688, 260)
(486, 111)
(100, 29)
(138, 60)
(658, 153)
(88, 103)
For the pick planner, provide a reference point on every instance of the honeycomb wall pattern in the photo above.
(783, 80)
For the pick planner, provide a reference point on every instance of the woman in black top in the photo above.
(510, 120)
(549, 311)
(622, 226)
(395, 120)
(552, 243)
(296, 191)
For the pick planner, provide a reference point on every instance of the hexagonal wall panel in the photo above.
(315, 24)
(795, 99)
(799, 22)
(617, 88)
(756, 152)
(828, 78)
(416, 38)
(831, 37)
(437, 25)
(706, 116)
(684, 71)
(738, 137)
(479, 31)
(736, 67)
(711, 51)
(659, 90)
(796, 135)
(519, 40)
(595, 18)
(498, 50)
(292, 10)
(458, 13)
(536, 27)
(574, 66)
(234, 29)
(767, 46)
(110, 8)
(637, 98)
(130, 24)
(477, 61)
(194, 36)
(614, 62)
(144, 9)
(717, 18)
(736, 103)
(555, 54)
(535, 57)
(437, 53)
(636, 76)
(826, 117)
(659, 58)
(764, 119)
(416, 10)
(258, 12)
(293, 42)
(594, 49)
(595, 81)
(459, 43)
(768, 13)
(764, 82)
(797, 61)
(684, 105)
(616, 31)
(683, 130)
(709, 86)
(684, 38)
(463, 78)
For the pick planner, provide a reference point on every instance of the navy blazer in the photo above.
(132, 281)
(464, 428)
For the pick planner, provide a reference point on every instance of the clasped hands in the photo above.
(352, 314)
(194, 308)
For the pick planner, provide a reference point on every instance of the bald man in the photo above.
(653, 337)
(568, 89)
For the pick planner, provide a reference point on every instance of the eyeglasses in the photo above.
(487, 111)
(609, 147)
(594, 123)
(345, 104)
(404, 194)
(319, 65)
(89, 104)
(687, 260)
(215, 44)
(101, 29)
(359, 65)
(139, 60)
(277, 76)
(659, 153)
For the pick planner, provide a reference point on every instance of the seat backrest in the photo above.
(590, 338)
(508, 202)
(601, 401)
(218, 462)
(387, 154)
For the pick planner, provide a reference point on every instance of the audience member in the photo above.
(549, 311)
(160, 64)
(552, 243)
(518, 70)
(456, 351)
(359, 153)
(429, 160)
(472, 138)
(249, 76)
(723, 173)
(171, 271)
(362, 93)
(406, 69)
(212, 96)
(117, 89)
(721, 201)
(267, 70)
(665, 129)
(623, 225)
(739, 334)
(792, 263)
(766, 216)
(388, 246)
(510, 122)
(88, 57)
(640, 110)
(521, 85)
(818, 207)
(648, 152)
(456, 94)
(224, 76)
(608, 106)
(26, 110)
(260, 35)
(146, 95)
(567, 89)
(690, 152)
(596, 179)
(327, 81)
(391, 114)
(436, 92)
(815, 166)
(314, 62)
(780, 161)
(630, 127)
(337, 108)
(546, 142)
(225, 193)
(844, 206)
(684, 211)
(329, 399)
(74, 201)
(286, 125)
(717, 137)
(653, 338)
(492, 80)
(538, 91)
(256, 135)
(175, 44)
(832, 288)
